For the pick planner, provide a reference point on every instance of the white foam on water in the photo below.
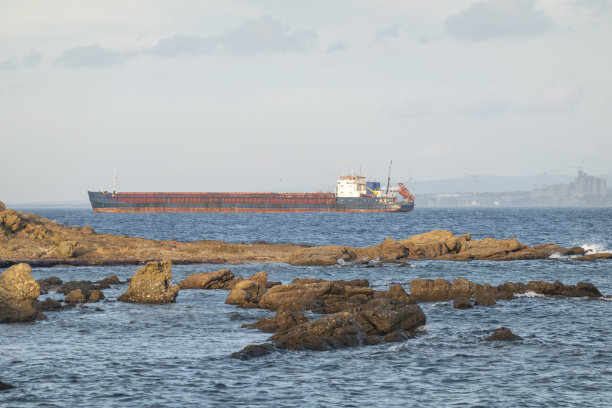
(556, 255)
(594, 248)
(529, 294)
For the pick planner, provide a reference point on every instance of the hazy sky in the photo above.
(284, 95)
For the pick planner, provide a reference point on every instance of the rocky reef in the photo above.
(437, 244)
(42, 242)
(462, 290)
(355, 315)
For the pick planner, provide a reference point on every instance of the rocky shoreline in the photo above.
(310, 314)
(40, 242)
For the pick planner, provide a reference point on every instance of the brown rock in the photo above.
(2, 206)
(485, 299)
(18, 290)
(208, 280)
(151, 284)
(48, 305)
(87, 230)
(281, 322)
(503, 334)
(429, 245)
(383, 316)
(322, 256)
(427, 290)
(95, 296)
(84, 286)
(330, 332)
(317, 295)
(389, 250)
(46, 284)
(396, 336)
(259, 277)
(108, 281)
(76, 296)
(66, 249)
(246, 293)
(594, 257)
(11, 221)
(462, 303)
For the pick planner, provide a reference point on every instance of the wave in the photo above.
(594, 248)
(529, 294)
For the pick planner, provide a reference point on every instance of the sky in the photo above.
(279, 95)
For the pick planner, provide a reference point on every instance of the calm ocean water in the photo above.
(177, 355)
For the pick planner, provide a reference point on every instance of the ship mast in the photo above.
(114, 181)
(389, 177)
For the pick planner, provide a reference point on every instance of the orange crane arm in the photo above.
(404, 192)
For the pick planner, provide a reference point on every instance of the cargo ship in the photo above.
(353, 194)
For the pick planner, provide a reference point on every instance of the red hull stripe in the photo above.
(227, 210)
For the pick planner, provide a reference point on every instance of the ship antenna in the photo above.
(114, 181)
(389, 177)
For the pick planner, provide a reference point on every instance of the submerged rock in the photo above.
(503, 334)
(18, 290)
(76, 296)
(151, 284)
(4, 386)
(281, 322)
(594, 257)
(254, 350)
(107, 282)
(462, 303)
(48, 305)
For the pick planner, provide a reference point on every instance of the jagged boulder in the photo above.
(317, 295)
(151, 284)
(389, 250)
(246, 293)
(76, 296)
(96, 295)
(338, 330)
(322, 256)
(18, 290)
(384, 316)
(66, 249)
(208, 280)
(430, 244)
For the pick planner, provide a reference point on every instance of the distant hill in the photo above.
(486, 184)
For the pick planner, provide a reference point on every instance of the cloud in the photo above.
(557, 98)
(183, 45)
(263, 35)
(594, 6)
(388, 33)
(29, 61)
(91, 56)
(338, 46)
(266, 35)
(498, 18)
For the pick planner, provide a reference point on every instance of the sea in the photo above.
(114, 354)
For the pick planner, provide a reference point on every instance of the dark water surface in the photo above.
(177, 355)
